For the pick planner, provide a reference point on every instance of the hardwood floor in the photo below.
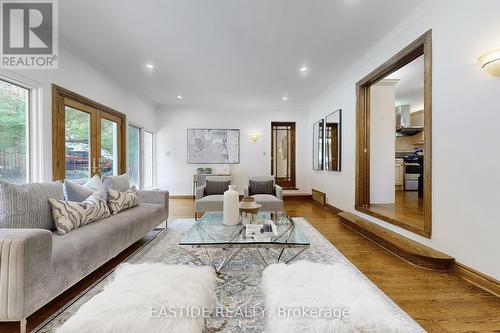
(440, 302)
(408, 208)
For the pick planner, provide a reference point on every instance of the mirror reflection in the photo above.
(318, 130)
(333, 141)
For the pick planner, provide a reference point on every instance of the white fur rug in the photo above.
(153, 298)
(318, 298)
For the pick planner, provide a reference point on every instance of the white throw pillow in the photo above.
(95, 183)
(120, 201)
(69, 215)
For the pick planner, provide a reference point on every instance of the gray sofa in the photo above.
(36, 265)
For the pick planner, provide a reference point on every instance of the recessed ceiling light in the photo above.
(284, 98)
(150, 66)
(303, 69)
(179, 97)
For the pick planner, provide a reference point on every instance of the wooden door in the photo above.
(283, 153)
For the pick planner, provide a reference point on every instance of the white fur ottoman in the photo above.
(310, 297)
(149, 298)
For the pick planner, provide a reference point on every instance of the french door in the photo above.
(88, 139)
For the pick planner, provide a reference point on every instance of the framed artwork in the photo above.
(213, 146)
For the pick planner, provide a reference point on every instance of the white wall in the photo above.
(85, 79)
(465, 160)
(176, 175)
(382, 143)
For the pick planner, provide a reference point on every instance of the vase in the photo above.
(231, 208)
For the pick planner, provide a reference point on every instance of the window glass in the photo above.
(14, 128)
(134, 158)
(148, 159)
(109, 148)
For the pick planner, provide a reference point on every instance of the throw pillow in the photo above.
(69, 215)
(27, 206)
(95, 184)
(117, 183)
(261, 187)
(214, 187)
(76, 192)
(120, 201)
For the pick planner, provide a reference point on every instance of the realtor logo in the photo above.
(29, 34)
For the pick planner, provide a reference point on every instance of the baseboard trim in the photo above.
(478, 279)
(333, 208)
(297, 197)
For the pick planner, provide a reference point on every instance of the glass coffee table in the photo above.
(209, 232)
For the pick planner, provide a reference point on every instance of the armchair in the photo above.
(270, 200)
(213, 199)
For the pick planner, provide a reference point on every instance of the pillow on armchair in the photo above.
(261, 187)
(215, 187)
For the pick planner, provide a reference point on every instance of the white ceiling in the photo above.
(244, 53)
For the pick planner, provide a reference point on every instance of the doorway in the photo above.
(283, 154)
(394, 142)
(88, 138)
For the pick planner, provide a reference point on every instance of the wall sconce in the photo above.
(255, 137)
(491, 62)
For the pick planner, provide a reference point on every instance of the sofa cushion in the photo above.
(118, 183)
(214, 187)
(211, 203)
(81, 251)
(27, 206)
(268, 202)
(261, 187)
(69, 215)
(120, 201)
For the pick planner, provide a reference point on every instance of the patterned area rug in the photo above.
(240, 292)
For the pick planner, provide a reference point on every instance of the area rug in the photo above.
(239, 294)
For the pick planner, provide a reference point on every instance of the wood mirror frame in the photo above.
(421, 46)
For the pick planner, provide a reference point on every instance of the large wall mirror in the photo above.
(394, 119)
(333, 144)
(318, 141)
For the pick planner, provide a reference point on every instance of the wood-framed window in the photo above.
(88, 138)
(283, 154)
(404, 218)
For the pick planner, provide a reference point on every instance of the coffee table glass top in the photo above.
(210, 231)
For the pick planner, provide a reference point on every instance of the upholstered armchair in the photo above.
(210, 197)
(266, 192)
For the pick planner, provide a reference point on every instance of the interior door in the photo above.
(283, 153)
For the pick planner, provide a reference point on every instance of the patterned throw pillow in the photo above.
(261, 187)
(120, 201)
(69, 215)
(214, 187)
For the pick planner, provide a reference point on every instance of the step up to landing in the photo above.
(410, 250)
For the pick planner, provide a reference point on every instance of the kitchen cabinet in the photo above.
(400, 173)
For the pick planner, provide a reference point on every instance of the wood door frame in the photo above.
(60, 96)
(421, 46)
(292, 124)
